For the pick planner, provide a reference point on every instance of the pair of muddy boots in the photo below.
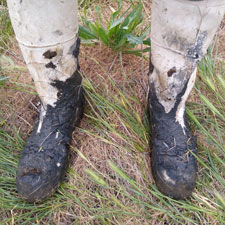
(44, 160)
(181, 32)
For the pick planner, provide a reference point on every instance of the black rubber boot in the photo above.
(173, 164)
(44, 160)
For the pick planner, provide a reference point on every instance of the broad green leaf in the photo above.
(99, 14)
(94, 28)
(103, 36)
(116, 22)
(121, 43)
(134, 39)
(147, 42)
(85, 33)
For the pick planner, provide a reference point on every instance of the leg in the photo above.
(180, 36)
(47, 35)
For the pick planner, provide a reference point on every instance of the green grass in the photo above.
(114, 191)
(121, 32)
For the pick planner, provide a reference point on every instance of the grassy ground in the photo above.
(109, 179)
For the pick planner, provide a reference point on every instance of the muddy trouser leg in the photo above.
(47, 36)
(181, 33)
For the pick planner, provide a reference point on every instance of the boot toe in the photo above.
(175, 184)
(40, 172)
(33, 185)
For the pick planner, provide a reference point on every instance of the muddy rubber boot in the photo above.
(43, 162)
(180, 36)
(47, 36)
(173, 164)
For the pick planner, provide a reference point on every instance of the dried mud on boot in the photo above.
(43, 162)
(173, 164)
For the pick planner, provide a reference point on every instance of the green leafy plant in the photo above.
(121, 33)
